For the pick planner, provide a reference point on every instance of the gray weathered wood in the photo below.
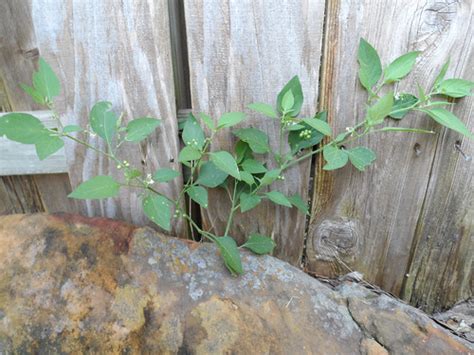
(105, 50)
(21, 159)
(245, 51)
(367, 221)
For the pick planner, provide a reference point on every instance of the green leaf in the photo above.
(230, 119)
(158, 209)
(295, 127)
(225, 162)
(400, 67)
(449, 120)
(132, 174)
(381, 109)
(210, 175)
(402, 105)
(256, 139)
(248, 202)
(404, 129)
(22, 127)
(230, 254)
(138, 129)
(253, 166)
(278, 198)
(456, 88)
(48, 145)
(298, 202)
(242, 151)
(198, 194)
(287, 101)
(165, 175)
(188, 153)
(259, 244)
(247, 178)
(103, 121)
(46, 82)
(441, 75)
(264, 109)
(34, 94)
(270, 176)
(370, 68)
(294, 86)
(361, 157)
(207, 120)
(193, 135)
(336, 158)
(98, 187)
(298, 143)
(319, 125)
(72, 128)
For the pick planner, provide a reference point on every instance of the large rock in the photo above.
(69, 284)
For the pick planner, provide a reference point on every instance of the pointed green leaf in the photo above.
(34, 94)
(294, 86)
(361, 157)
(198, 194)
(248, 202)
(381, 109)
(441, 75)
(225, 161)
(298, 202)
(253, 166)
(370, 68)
(319, 125)
(270, 176)
(402, 105)
(210, 175)
(98, 187)
(72, 128)
(230, 119)
(188, 153)
(256, 139)
(103, 121)
(259, 244)
(449, 120)
(45, 81)
(158, 209)
(48, 145)
(207, 120)
(456, 87)
(400, 67)
(230, 254)
(22, 127)
(264, 109)
(288, 101)
(278, 198)
(193, 135)
(242, 151)
(247, 178)
(336, 158)
(138, 129)
(165, 175)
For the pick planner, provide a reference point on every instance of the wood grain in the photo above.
(115, 51)
(242, 52)
(367, 221)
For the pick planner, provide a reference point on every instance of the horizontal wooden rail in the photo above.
(21, 159)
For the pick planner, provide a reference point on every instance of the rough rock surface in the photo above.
(69, 284)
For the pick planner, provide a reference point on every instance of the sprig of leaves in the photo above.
(248, 172)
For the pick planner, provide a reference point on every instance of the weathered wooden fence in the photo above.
(407, 224)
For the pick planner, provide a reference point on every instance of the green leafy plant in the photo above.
(246, 173)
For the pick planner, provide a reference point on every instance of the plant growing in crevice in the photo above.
(247, 172)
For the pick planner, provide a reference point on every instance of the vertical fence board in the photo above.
(242, 52)
(119, 52)
(367, 221)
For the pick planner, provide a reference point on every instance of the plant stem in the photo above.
(232, 210)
